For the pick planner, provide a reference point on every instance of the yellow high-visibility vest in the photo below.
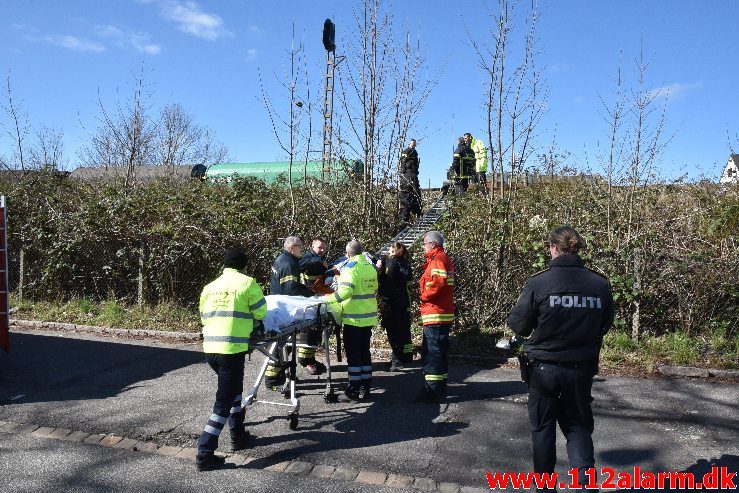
(228, 307)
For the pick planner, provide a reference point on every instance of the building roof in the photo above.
(142, 173)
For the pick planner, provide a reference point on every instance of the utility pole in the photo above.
(329, 42)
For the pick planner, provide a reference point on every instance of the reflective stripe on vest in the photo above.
(226, 313)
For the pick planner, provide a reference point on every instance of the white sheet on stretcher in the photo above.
(283, 310)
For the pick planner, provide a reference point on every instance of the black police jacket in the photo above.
(566, 309)
(409, 162)
(285, 278)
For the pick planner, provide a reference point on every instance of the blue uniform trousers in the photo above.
(227, 408)
(435, 358)
(358, 357)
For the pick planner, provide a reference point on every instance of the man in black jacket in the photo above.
(463, 166)
(285, 279)
(410, 188)
(566, 310)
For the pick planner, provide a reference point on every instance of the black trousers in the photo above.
(561, 395)
(358, 357)
(227, 408)
(410, 201)
(461, 185)
(435, 357)
(397, 324)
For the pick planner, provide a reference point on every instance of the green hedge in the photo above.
(94, 240)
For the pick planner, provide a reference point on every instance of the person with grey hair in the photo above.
(285, 279)
(437, 316)
(357, 294)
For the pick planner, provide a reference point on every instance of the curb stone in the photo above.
(341, 473)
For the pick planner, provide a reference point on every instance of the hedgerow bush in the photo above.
(669, 250)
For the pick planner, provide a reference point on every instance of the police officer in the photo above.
(285, 279)
(357, 294)
(566, 310)
(410, 188)
(228, 307)
(313, 266)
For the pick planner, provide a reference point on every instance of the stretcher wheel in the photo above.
(292, 421)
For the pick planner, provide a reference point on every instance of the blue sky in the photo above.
(205, 56)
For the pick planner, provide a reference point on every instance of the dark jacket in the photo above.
(392, 292)
(567, 309)
(409, 162)
(311, 267)
(285, 278)
(463, 162)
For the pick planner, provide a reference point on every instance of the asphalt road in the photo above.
(164, 392)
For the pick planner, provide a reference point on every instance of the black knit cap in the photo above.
(235, 258)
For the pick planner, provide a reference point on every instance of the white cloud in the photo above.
(251, 54)
(675, 90)
(191, 19)
(74, 43)
(558, 67)
(128, 39)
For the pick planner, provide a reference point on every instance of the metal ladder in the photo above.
(410, 234)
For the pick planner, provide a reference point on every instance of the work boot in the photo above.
(240, 442)
(395, 365)
(316, 368)
(351, 394)
(364, 393)
(209, 462)
(427, 397)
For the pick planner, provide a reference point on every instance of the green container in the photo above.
(269, 172)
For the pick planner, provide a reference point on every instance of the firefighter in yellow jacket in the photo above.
(481, 159)
(357, 295)
(228, 307)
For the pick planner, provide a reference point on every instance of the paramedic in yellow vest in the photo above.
(228, 307)
(481, 159)
(357, 294)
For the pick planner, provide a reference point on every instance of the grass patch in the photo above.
(165, 316)
(714, 349)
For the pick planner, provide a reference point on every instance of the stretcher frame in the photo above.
(275, 347)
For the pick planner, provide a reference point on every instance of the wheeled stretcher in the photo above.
(279, 346)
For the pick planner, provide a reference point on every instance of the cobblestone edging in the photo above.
(297, 468)
(92, 329)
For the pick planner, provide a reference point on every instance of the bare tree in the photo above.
(286, 128)
(180, 140)
(17, 129)
(47, 152)
(126, 135)
(513, 104)
(381, 95)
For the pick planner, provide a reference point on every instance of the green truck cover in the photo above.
(269, 172)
